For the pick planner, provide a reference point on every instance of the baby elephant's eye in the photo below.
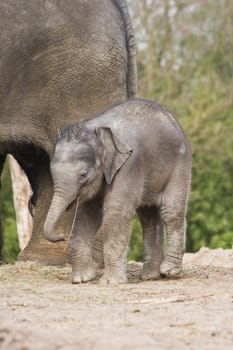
(83, 176)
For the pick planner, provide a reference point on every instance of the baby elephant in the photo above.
(131, 158)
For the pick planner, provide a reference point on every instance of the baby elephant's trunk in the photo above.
(57, 208)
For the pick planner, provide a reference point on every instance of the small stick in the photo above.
(72, 226)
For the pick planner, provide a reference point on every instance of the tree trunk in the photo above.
(21, 194)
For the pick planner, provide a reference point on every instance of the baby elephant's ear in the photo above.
(115, 153)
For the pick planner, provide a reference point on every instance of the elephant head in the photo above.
(84, 159)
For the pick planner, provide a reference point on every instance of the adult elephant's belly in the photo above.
(57, 66)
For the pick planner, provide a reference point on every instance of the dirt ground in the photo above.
(41, 309)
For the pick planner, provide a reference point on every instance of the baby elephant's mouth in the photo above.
(71, 204)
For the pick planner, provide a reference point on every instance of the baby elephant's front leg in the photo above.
(116, 231)
(84, 268)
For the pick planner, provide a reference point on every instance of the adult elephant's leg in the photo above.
(152, 242)
(38, 248)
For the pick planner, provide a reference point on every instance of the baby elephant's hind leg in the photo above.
(152, 242)
(173, 211)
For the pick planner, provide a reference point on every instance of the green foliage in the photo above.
(185, 61)
(10, 240)
(136, 250)
(209, 221)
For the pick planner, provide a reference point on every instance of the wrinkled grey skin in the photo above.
(61, 61)
(132, 158)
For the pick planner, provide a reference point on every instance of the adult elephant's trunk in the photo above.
(58, 206)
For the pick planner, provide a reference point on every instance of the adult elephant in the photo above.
(60, 62)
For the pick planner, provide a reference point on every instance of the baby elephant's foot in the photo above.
(84, 274)
(170, 269)
(150, 272)
(113, 278)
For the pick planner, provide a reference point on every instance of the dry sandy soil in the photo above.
(41, 309)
